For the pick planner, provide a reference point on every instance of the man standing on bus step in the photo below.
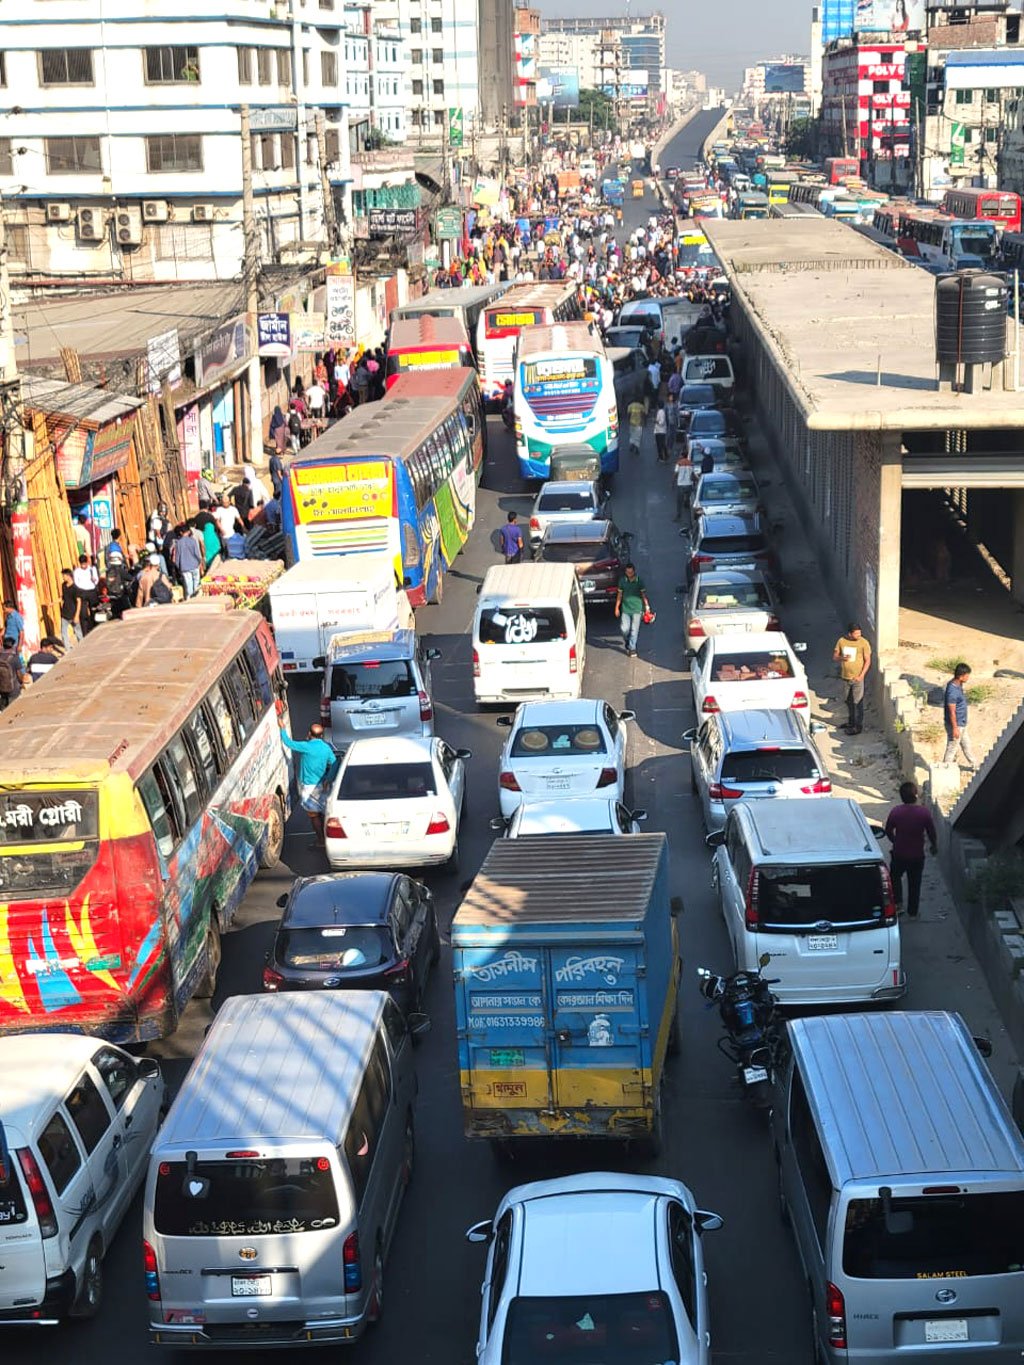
(315, 768)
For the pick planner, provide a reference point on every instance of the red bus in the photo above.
(840, 168)
(426, 343)
(1001, 207)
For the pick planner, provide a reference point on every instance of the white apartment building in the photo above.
(442, 41)
(586, 53)
(121, 153)
(376, 74)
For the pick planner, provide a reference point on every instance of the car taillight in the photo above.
(325, 710)
(717, 792)
(350, 1260)
(695, 626)
(272, 981)
(835, 1311)
(889, 903)
(751, 915)
(426, 708)
(476, 664)
(399, 973)
(709, 706)
(608, 777)
(773, 623)
(151, 1273)
(45, 1216)
(508, 782)
(700, 559)
(601, 564)
(573, 661)
(534, 524)
(799, 701)
(333, 829)
(820, 788)
(439, 824)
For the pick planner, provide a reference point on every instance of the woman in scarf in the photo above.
(279, 429)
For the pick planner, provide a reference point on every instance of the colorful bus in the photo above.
(1001, 207)
(808, 192)
(752, 205)
(466, 304)
(952, 243)
(525, 305)
(143, 784)
(397, 477)
(426, 343)
(779, 185)
(840, 168)
(564, 394)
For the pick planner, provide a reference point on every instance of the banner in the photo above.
(456, 128)
(308, 331)
(957, 143)
(341, 492)
(340, 329)
(273, 335)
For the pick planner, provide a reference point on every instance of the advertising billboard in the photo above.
(784, 78)
(560, 85)
(889, 16)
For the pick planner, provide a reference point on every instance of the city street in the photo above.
(713, 1141)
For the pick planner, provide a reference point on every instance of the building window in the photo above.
(991, 134)
(965, 97)
(435, 25)
(263, 158)
(326, 4)
(284, 66)
(880, 87)
(3, 68)
(171, 65)
(73, 155)
(415, 25)
(329, 68)
(439, 118)
(438, 87)
(244, 55)
(177, 152)
(6, 163)
(416, 56)
(265, 65)
(332, 145)
(437, 56)
(287, 152)
(66, 66)
(991, 96)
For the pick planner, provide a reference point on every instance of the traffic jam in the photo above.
(547, 531)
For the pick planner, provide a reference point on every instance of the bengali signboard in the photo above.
(387, 222)
(448, 224)
(341, 492)
(163, 360)
(340, 328)
(308, 331)
(219, 357)
(274, 335)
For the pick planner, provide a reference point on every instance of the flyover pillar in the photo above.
(1017, 556)
(890, 497)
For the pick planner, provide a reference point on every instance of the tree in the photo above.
(802, 138)
(596, 108)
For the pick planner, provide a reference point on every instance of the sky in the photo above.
(719, 38)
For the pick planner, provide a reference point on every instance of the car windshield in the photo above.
(728, 490)
(935, 1236)
(335, 948)
(769, 765)
(750, 665)
(575, 551)
(521, 626)
(697, 396)
(707, 422)
(708, 367)
(388, 678)
(245, 1198)
(591, 1329)
(566, 500)
(730, 596)
(544, 741)
(801, 897)
(732, 545)
(386, 781)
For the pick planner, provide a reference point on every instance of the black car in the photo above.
(706, 338)
(721, 541)
(712, 422)
(693, 397)
(597, 549)
(355, 931)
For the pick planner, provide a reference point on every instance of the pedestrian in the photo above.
(954, 713)
(242, 497)
(13, 676)
(153, 588)
(684, 483)
(637, 414)
(853, 654)
(294, 428)
(906, 826)
(87, 582)
(70, 610)
(512, 539)
(14, 624)
(278, 432)
(117, 572)
(276, 471)
(159, 524)
(661, 434)
(315, 770)
(630, 605)
(360, 381)
(50, 652)
(187, 555)
(316, 397)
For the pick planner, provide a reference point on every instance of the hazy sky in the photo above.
(719, 37)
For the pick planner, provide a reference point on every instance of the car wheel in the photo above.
(274, 845)
(207, 982)
(90, 1291)
(376, 1308)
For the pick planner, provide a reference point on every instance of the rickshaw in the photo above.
(638, 189)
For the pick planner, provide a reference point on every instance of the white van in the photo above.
(529, 634)
(275, 1184)
(77, 1116)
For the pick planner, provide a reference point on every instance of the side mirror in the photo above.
(480, 1232)
(499, 823)
(148, 1068)
(639, 815)
(984, 1046)
(877, 830)
(706, 1222)
(505, 721)
(282, 901)
(433, 654)
(463, 753)
(418, 1024)
(627, 715)
(800, 647)
(715, 839)
(689, 736)
(320, 661)
(817, 727)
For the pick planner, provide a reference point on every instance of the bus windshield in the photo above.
(975, 239)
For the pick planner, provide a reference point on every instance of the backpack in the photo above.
(117, 577)
(294, 424)
(160, 592)
(8, 674)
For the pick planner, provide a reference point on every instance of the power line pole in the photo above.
(250, 281)
(330, 215)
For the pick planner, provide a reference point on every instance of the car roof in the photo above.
(725, 524)
(38, 1070)
(338, 898)
(565, 817)
(566, 1239)
(763, 725)
(389, 749)
(814, 832)
(725, 475)
(722, 577)
(703, 390)
(597, 529)
(572, 485)
(373, 644)
(578, 712)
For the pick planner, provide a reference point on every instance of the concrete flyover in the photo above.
(837, 337)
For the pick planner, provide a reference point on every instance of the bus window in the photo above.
(156, 809)
(204, 750)
(184, 774)
(259, 673)
(225, 725)
(236, 687)
(173, 800)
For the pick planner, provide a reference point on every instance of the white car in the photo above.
(592, 1268)
(740, 672)
(563, 750)
(595, 816)
(396, 803)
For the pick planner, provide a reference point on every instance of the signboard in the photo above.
(456, 128)
(561, 86)
(280, 118)
(274, 335)
(957, 143)
(163, 360)
(223, 352)
(190, 444)
(342, 492)
(889, 16)
(386, 222)
(448, 224)
(340, 328)
(784, 78)
(308, 330)
(108, 451)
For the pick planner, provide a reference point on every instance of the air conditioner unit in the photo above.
(58, 213)
(128, 227)
(202, 213)
(155, 210)
(91, 224)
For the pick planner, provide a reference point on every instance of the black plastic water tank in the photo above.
(970, 318)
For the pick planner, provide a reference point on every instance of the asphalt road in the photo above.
(712, 1140)
(685, 148)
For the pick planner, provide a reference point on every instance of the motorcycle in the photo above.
(747, 1008)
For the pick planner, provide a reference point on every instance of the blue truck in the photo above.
(566, 967)
(613, 192)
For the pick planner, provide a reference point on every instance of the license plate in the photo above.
(251, 1286)
(557, 784)
(588, 585)
(753, 1074)
(947, 1329)
(389, 831)
(822, 943)
(381, 718)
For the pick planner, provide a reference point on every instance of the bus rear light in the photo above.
(325, 710)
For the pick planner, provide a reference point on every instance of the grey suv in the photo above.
(376, 683)
(750, 755)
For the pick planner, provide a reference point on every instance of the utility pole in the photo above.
(250, 281)
(330, 216)
(13, 439)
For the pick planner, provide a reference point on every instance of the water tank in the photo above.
(970, 318)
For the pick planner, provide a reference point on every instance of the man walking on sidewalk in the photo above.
(906, 826)
(954, 713)
(630, 604)
(853, 654)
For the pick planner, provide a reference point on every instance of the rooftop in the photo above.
(83, 403)
(851, 326)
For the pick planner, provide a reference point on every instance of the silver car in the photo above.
(377, 683)
(562, 500)
(751, 755)
(725, 601)
(735, 493)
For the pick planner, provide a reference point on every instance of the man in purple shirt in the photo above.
(511, 535)
(906, 826)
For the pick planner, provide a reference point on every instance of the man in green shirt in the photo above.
(630, 605)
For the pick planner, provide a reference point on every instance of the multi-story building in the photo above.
(442, 39)
(865, 109)
(642, 38)
(121, 153)
(497, 87)
(584, 53)
(526, 38)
